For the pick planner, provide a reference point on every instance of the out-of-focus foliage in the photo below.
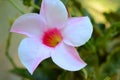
(101, 52)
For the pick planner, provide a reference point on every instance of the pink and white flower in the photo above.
(52, 34)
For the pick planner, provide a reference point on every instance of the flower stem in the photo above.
(69, 15)
(16, 6)
(85, 73)
(7, 50)
(35, 6)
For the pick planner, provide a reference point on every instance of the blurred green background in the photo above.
(101, 52)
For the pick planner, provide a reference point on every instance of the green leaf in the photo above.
(37, 75)
(112, 17)
(22, 72)
(111, 68)
(107, 78)
(27, 2)
(65, 1)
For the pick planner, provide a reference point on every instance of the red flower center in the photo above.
(52, 37)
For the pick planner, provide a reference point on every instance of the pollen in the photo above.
(52, 37)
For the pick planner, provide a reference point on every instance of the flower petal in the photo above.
(78, 31)
(67, 58)
(29, 24)
(54, 12)
(31, 53)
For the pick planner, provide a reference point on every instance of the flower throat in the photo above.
(52, 37)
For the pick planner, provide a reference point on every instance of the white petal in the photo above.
(31, 53)
(67, 58)
(78, 31)
(29, 24)
(54, 12)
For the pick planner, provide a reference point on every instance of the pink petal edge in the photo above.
(30, 24)
(54, 13)
(77, 31)
(67, 58)
(31, 53)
